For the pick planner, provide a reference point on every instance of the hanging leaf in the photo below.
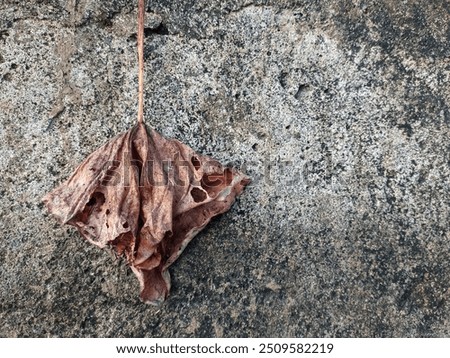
(145, 197)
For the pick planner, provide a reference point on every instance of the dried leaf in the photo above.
(146, 197)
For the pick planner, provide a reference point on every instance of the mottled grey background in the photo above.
(338, 110)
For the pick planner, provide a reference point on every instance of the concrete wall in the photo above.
(338, 110)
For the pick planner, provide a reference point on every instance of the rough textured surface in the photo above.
(338, 110)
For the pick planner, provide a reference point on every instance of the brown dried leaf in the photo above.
(146, 197)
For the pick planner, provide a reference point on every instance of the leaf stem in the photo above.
(140, 47)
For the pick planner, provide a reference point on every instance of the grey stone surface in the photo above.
(338, 110)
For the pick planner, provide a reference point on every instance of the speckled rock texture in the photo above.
(339, 112)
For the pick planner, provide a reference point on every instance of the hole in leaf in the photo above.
(216, 182)
(96, 199)
(196, 163)
(107, 211)
(198, 195)
(91, 202)
(125, 225)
